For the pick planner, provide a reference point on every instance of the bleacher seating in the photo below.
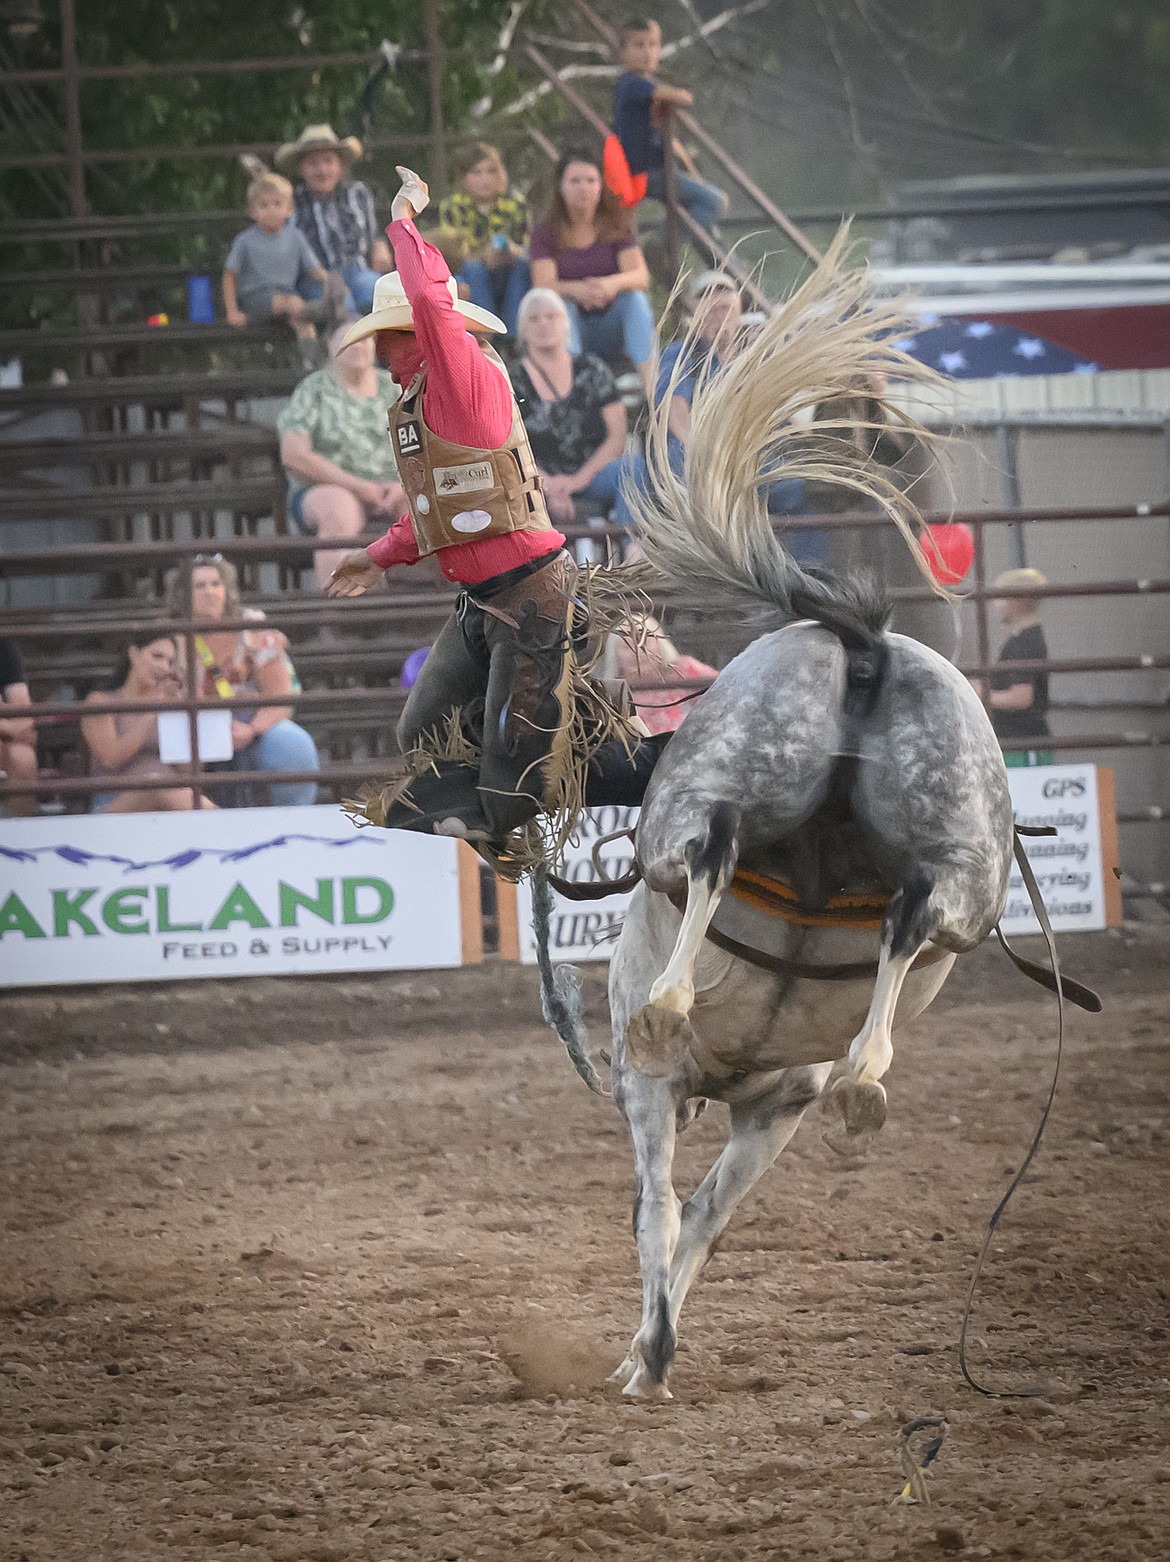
(130, 442)
(145, 438)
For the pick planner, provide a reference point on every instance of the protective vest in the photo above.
(456, 492)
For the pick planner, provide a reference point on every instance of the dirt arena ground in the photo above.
(332, 1270)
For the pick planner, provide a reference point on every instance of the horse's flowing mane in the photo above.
(709, 528)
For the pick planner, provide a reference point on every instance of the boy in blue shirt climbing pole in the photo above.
(638, 102)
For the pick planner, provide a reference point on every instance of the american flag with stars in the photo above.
(979, 350)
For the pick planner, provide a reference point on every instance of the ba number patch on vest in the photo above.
(464, 479)
(409, 439)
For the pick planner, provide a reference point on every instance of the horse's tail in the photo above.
(751, 424)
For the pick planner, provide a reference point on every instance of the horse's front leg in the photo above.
(651, 1110)
(760, 1128)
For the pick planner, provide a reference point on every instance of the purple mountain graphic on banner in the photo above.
(80, 856)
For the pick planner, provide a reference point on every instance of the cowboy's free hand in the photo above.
(413, 197)
(354, 576)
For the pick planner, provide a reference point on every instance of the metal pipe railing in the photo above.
(275, 548)
(748, 185)
(200, 779)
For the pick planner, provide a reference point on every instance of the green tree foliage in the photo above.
(193, 110)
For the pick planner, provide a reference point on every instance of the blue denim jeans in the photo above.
(359, 279)
(286, 747)
(705, 202)
(498, 288)
(626, 326)
(602, 489)
(632, 474)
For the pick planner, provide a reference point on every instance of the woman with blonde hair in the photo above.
(575, 419)
(494, 222)
(230, 662)
(1018, 701)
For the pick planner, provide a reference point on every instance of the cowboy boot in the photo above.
(329, 309)
(619, 778)
(441, 800)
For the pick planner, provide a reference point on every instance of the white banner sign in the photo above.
(230, 892)
(584, 929)
(1068, 867)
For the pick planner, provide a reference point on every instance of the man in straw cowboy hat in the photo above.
(503, 718)
(333, 211)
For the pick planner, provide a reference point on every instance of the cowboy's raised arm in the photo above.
(466, 400)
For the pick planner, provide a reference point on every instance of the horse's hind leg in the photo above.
(651, 1110)
(657, 1032)
(760, 1128)
(911, 920)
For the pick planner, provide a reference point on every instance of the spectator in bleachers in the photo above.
(714, 338)
(494, 221)
(587, 252)
(336, 455)
(575, 419)
(335, 212)
(123, 745)
(232, 662)
(716, 312)
(270, 269)
(661, 678)
(1018, 702)
(638, 104)
(18, 734)
(452, 245)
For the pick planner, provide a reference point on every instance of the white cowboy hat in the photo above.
(391, 312)
(318, 138)
(710, 282)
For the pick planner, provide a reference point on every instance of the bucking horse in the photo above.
(827, 830)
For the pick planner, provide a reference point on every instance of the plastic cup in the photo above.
(200, 302)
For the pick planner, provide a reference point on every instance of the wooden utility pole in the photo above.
(438, 179)
(69, 64)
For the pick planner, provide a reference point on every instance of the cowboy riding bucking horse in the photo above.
(505, 725)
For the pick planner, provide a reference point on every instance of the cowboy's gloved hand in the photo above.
(412, 198)
(354, 576)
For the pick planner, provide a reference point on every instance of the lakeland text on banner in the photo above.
(230, 892)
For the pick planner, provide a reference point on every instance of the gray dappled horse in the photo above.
(841, 757)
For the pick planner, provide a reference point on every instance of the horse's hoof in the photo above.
(625, 1372)
(860, 1103)
(657, 1041)
(643, 1386)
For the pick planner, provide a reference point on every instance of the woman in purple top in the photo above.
(586, 251)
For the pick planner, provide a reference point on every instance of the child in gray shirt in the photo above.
(271, 270)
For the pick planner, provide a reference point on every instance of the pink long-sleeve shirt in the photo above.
(466, 400)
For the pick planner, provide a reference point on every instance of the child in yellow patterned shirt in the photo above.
(495, 221)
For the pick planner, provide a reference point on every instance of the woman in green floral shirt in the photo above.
(494, 221)
(336, 451)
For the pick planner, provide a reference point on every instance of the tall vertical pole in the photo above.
(1007, 449)
(670, 191)
(438, 179)
(69, 65)
(982, 627)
